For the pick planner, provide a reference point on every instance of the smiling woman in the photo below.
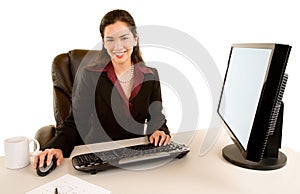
(112, 99)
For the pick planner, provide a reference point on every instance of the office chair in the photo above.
(64, 68)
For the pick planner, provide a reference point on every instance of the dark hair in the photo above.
(123, 16)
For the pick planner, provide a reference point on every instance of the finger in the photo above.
(42, 158)
(58, 162)
(156, 139)
(151, 139)
(167, 140)
(162, 139)
(49, 157)
(59, 156)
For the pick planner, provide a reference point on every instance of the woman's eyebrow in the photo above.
(108, 37)
(111, 37)
(124, 35)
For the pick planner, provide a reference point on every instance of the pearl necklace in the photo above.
(130, 77)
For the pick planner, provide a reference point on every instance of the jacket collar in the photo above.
(140, 71)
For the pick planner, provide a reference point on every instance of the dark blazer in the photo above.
(101, 112)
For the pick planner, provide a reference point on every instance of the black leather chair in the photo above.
(64, 68)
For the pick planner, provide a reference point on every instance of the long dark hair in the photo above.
(123, 16)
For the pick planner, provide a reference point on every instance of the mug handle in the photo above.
(36, 147)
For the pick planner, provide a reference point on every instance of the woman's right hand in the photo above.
(49, 153)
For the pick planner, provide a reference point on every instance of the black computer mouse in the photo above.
(45, 170)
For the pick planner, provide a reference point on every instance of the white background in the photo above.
(33, 32)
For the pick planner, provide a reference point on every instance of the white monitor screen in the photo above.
(242, 89)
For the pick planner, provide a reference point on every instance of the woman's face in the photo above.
(119, 42)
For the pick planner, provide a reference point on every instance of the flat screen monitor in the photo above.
(251, 104)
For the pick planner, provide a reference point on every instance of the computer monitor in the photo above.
(251, 104)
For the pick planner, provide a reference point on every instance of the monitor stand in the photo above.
(272, 157)
(232, 154)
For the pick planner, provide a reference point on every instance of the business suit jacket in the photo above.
(101, 112)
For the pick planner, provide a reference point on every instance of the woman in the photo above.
(119, 91)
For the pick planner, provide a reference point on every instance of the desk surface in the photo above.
(192, 174)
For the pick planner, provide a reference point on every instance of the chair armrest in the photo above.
(44, 135)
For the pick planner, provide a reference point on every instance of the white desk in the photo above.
(191, 174)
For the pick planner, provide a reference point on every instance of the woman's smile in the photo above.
(120, 54)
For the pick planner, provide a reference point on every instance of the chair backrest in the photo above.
(64, 68)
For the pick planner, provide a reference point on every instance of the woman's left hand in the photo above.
(159, 138)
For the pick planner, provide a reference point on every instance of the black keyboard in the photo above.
(99, 161)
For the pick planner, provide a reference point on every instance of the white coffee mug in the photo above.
(17, 151)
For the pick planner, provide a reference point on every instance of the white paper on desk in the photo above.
(68, 184)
